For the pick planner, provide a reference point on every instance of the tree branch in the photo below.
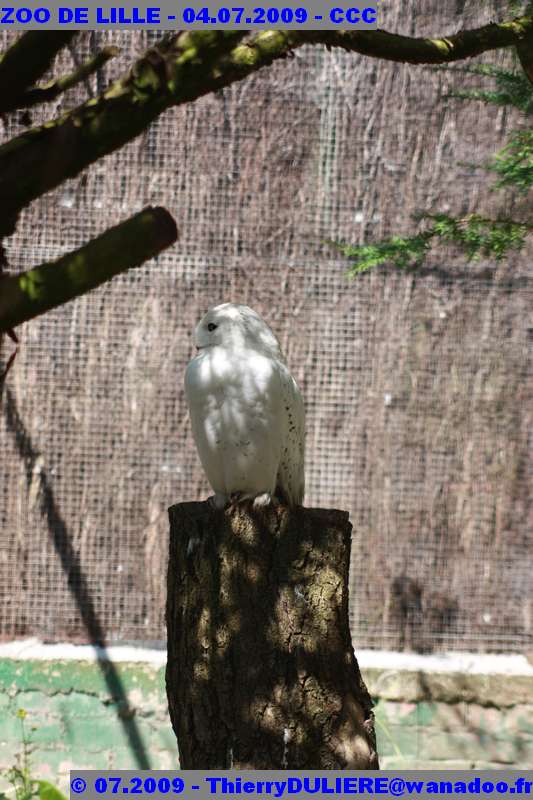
(127, 245)
(524, 50)
(26, 61)
(440, 50)
(43, 94)
(182, 68)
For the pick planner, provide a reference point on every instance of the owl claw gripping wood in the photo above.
(246, 410)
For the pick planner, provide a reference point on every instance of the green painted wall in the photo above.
(424, 720)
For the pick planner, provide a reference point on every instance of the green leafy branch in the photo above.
(511, 88)
(403, 252)
(478, 236)
(514, 164)
(481, 236)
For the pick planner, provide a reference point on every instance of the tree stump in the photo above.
(261, 672)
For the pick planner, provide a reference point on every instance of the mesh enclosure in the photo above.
(417, 386)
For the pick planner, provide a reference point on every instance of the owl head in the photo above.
(235, 326)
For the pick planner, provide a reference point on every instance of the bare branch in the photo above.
(27, 60)
(127, 245)
(43, 94)
(440, 50)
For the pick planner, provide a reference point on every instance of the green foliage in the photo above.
(47, 791)
(514, 164)
(402, 252)
(520, 7)
(19, 775)
(24, 786)
(511, 88)
(476, 235)
(479, 236)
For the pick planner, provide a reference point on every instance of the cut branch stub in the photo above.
(261, 672)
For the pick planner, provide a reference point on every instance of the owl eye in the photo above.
(212, 326)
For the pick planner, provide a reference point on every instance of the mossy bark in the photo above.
(25, 295)
(182, 68)
(261, 672)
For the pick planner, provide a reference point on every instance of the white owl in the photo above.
(246, 410)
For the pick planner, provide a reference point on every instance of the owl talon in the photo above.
(258, 500)
(262, 500)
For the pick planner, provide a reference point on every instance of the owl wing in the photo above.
(202, 401)
(290, 481)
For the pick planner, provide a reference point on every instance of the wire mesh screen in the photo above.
(417, 385)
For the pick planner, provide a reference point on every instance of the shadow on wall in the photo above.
(76, 580)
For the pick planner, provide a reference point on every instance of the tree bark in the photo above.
(180, 69)
(43, 94)
(25, 295)
(27, 60)
(261, 672)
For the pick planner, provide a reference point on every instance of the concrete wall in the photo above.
(448, 712)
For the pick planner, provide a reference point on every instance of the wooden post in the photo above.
(261, 672)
